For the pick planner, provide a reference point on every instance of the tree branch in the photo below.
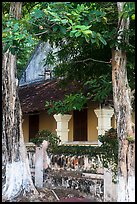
(41, 33)
(44, 31)
(94, 60)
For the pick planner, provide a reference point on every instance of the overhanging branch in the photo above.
(44, 31)
(94, 60)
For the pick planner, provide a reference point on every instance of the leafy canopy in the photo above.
(85, 32)
(16, 36)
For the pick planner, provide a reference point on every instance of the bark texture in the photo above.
(17, 172)
(123, 111)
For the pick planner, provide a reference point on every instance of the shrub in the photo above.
(107, 152)
(52, 138)
(109, 146)
(109, 149)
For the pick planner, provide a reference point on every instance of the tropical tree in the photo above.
(123, 110)
(85, 34)
(17, 173)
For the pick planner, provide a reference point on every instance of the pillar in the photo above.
(104, 120)
(39, 167)
(110, 188)
(62, 126)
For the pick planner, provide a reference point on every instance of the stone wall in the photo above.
(77, 172)
(92, 187)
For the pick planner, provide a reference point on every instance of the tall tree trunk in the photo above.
(123, 110)
(17, 171)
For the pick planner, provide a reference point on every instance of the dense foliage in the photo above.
(52, 138)
(109, 148)
(70, 102)
(16, 36)
(84, 32)
(107, 152)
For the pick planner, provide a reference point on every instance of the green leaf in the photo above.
(72, 33)
(55, 28)
(6, 47)
(104, 19)
(62, 29)
(133, 17)
(13, 50)
(71, 22)
(87, 32)
(82, 27)
(77, 34)
(37, 13)
(102, 40)
(74, 13)
(87, 38)
(16, 27)
(64, 21)
(94, 34)
(55, 20)
(5, 30)
(93, 40)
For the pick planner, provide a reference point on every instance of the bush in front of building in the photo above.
(52, 138)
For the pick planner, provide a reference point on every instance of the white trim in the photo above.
(81, 143)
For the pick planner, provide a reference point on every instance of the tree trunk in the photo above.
(17, 172)
(123, 110)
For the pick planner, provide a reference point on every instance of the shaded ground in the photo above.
(56, 195)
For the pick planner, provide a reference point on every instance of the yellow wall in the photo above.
(25, 127)
(48, 122)
(92, 123)
(70, 127)
(113, 122)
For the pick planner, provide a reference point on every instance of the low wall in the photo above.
(76, 163)
(92, 187)
(78, 172)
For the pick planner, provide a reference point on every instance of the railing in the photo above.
(70, 163)
(76, 163)
(31, 148)
(88, 167)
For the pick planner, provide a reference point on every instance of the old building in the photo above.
(75, 127)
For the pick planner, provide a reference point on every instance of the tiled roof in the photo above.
(33, 96)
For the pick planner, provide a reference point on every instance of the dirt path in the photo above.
(56, 195)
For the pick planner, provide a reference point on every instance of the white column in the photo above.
(104, 120)
(62, 126)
